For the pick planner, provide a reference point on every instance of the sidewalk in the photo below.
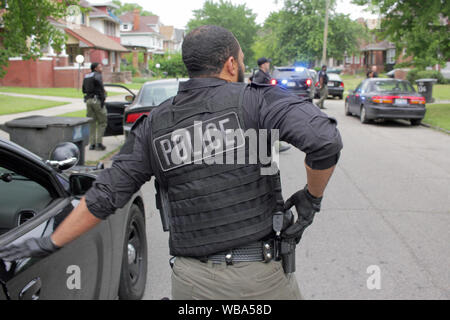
(111, 143)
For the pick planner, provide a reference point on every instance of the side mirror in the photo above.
(80, 183)
(129, 98)
(64, 156)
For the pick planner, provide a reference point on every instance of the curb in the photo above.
(435, 128)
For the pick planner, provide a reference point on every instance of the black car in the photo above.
(378, 98)
(335, 86)
(109, 261)
(151, 95)
(297, 80)
(115, 111)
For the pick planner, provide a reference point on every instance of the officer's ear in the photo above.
(230, 69)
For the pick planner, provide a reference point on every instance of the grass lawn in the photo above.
(438, 115)
(78, 114)
(10, 105)
(133, 86)
(55, 92)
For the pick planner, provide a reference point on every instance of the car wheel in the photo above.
(133, 275)
(415, 122)
(363, 115)
(347, 113)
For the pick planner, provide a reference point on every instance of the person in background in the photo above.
(323, 86)
(94, 96)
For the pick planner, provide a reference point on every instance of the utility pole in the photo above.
(325, 34)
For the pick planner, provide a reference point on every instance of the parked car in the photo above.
(109, 261)
(378, 98)
(115, 110)
(151, 95)
(335, 86)
(297, 80)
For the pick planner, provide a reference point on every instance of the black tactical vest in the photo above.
(212, 207)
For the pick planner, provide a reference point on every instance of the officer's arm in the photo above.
(303, 125)
(112, 189)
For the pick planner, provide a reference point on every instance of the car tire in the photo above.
(133, 275)
(363, 115)
(415, 122)
(347, 113)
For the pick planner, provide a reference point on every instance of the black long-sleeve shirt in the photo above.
(299, 122)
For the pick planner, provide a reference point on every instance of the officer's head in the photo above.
(212, 51)
(324, 67)
(95, 66)
(264, 64)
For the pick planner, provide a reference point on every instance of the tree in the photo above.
(27, 28)
(237, 18)
(420, 27)
(295, 33)
(129, 7)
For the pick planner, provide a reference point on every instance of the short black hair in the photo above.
(206, 49)
(94, 65)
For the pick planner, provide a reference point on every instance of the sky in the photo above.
(179, 12)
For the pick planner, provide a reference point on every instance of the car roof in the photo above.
(167, 81)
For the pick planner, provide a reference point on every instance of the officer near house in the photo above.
(228, 223)
(94, 96)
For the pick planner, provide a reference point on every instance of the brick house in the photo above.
(95, 35)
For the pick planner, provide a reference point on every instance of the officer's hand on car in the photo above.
(306, 206)
(34, 247)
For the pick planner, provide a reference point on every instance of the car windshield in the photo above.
(392, 86)
(155, 93)
(300, 73)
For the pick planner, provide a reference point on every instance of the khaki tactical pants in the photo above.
(98, 125)
(196, 280)
(323, 96)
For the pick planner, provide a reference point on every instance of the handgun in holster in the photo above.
(162, 204)
(284, 248)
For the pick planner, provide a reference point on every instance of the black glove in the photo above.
(306, 206)
(34, 247)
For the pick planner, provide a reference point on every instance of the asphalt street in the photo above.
(387, 208)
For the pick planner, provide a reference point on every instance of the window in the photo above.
(390, 56)
(348, 59)
(125, 27)
(35, 194)
(357, 60)
(110, 28)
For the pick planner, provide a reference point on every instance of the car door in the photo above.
(115, 111)
(357, 99)
(34, 201)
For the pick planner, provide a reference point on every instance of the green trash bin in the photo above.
(40, 134)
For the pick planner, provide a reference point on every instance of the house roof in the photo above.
(167, 32)
(94, 39)
(144, 22)
(383, 45)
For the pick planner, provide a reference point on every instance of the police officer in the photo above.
(323, 86)
(94, 96)
(262, 75)
(221, 216)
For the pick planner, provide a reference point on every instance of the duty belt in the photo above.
(257, 251)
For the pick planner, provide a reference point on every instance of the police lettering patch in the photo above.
(203, 140)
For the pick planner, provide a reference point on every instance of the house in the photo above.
(173, 38)
(95, 35)
(141, 34)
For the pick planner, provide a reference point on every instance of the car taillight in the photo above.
(417, 100)
(342, 84)
(382, 99)
(273, 82)
(132, 117)
(308, 82)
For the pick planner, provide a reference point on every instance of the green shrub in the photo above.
(171, 64)
(416, 74)
(129, 68)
